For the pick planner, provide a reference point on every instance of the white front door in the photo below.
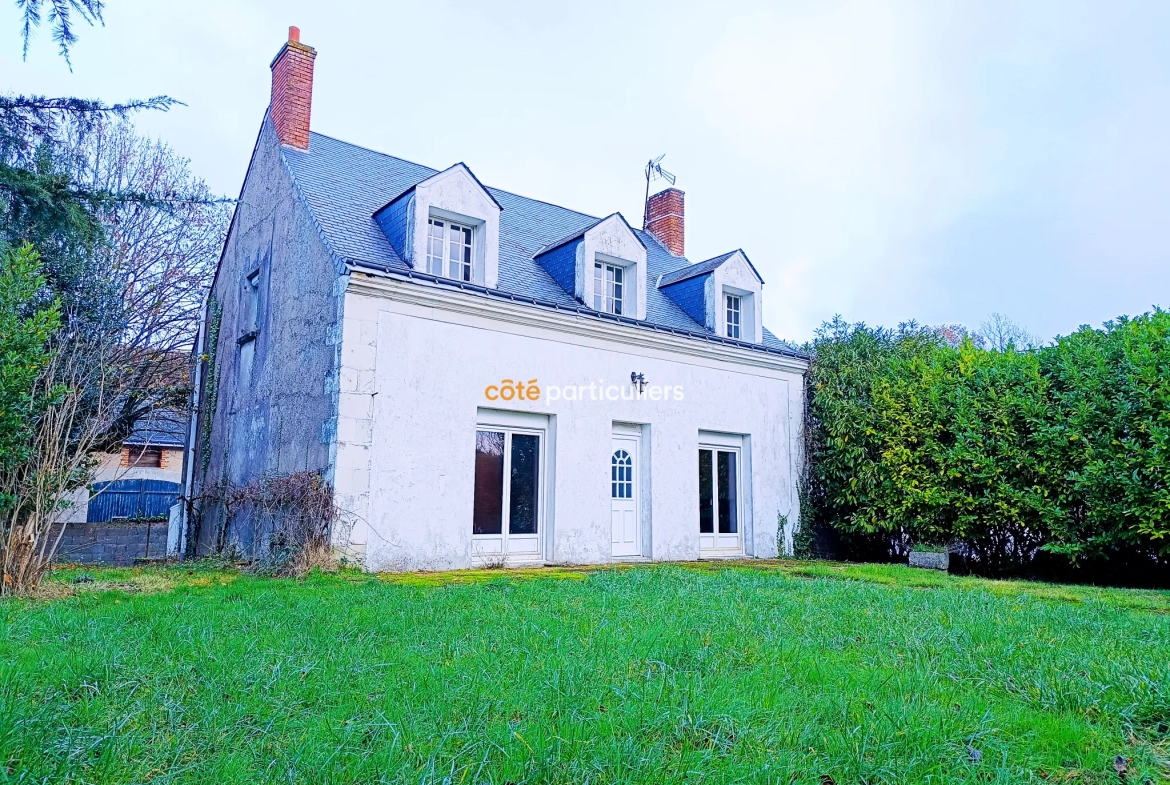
(625, 497)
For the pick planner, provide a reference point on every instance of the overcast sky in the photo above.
(881, 160)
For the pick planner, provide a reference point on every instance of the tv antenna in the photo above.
(654, 171)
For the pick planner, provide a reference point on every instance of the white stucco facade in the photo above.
(417, 362)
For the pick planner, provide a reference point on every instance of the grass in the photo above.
(779, 672)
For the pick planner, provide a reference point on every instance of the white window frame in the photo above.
(716, 443)
(484, 548)
(734, 314)
(446, 236)
(609, 287)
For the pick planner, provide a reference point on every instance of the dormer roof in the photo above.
(436, 176)
(702, 268)
(579, 233)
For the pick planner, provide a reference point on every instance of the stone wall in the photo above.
(113, 543)
(275, 408)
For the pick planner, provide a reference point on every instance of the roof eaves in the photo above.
(578, 310)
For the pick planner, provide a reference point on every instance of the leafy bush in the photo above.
(916, 435)
(27, 320)
(1110, 390)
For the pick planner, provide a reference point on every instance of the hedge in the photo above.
(1061, 450)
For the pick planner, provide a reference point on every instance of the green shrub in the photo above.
(927, 437)
(26, 322)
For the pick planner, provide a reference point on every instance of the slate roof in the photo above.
(161, 428)
(343, 185)
(702, 268)
(581, 232)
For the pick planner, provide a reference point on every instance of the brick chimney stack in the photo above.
(664, 219)
(292, 91)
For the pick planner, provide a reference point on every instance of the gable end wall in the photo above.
(279, 418)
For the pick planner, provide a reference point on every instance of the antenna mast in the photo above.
(654, 171)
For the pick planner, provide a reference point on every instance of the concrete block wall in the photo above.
(116, 543)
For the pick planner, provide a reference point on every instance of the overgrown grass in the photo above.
(768, 672)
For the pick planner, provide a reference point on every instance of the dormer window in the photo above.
(449, 252)
(448, 225)
(607, 288)
(722, 294)
(602, 265)
(733, 316)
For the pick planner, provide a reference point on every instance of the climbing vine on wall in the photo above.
(211, 380)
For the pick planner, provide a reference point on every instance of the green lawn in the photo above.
(781, 672)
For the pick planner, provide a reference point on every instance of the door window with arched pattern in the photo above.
(622, 475)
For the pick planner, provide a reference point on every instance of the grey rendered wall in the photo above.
(279, 418)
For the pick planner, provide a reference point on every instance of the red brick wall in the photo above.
(292, 93)
(664, 219)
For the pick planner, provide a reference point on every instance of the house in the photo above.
(123, 514)
(484, 378)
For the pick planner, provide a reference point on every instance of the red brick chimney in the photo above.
(292, 91)
(664, 219)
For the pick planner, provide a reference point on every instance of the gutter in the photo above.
(404, 274)
(177, 535)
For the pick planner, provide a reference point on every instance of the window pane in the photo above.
(522, 507)
(147, 457)
(623, 474)
(489, 483)
(706, 511)
(728, 507)
(598, 289)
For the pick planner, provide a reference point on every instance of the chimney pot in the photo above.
(664, 219)
(292, 91)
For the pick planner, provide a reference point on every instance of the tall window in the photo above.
(449, 249)
(733, 316)
(251, 322)
(507, 483)
(607, 288)
(718, 492)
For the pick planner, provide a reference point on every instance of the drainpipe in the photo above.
(177, 531)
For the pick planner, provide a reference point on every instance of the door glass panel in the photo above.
(489, 483)
(622, 475)
(728, 507)
(706, 493)
(522, 503)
